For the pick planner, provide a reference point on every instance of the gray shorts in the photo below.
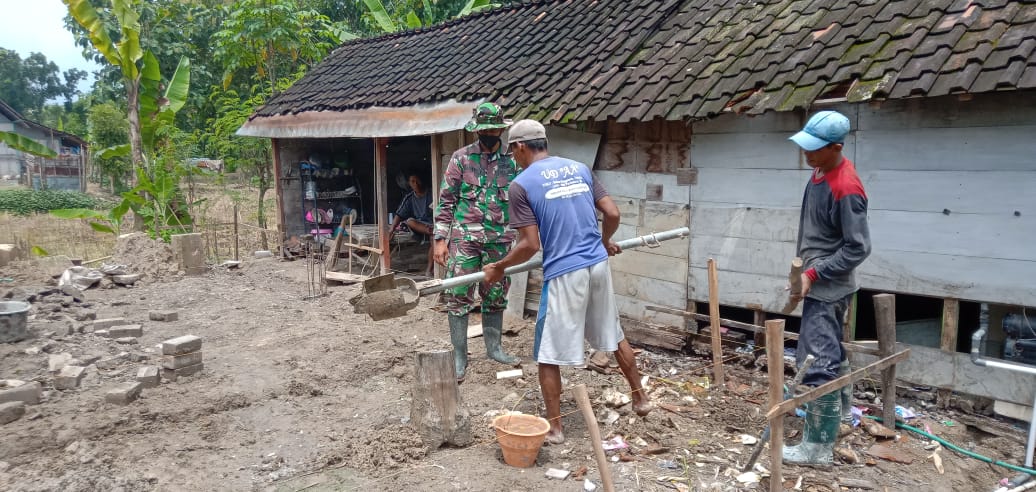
(576, 306)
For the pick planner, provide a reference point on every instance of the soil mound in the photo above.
(141, 254)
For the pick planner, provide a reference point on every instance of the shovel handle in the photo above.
(650, 240)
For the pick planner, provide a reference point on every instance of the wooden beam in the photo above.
(759, 319)
(861, 349)
(437, 145)
(278, 188)
(885, 322)
(381, 200)
(950, 319)
(717, 344)
(345, 278)
(775, 373)
(723, 321)
(838, 383)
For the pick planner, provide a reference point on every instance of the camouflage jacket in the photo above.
(473, 196)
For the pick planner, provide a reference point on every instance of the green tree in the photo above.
(106, 124)
(28, 84)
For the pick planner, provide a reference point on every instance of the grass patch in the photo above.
(27, 202)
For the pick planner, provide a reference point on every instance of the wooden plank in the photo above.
(998, 193)
(733, 220)
(717, 349)
(637, 309)
(984, 110)
(663, 216)
(1002, 148)
(634, 185)
(1001, 236)
(629, 210)
(885, 321)
(723, 321)
(950, 315)
(645, 333)
(775, 374)
(750, 187)
(762, 150)
(649, 289)
(840, 382)
(735, 254)
(742, 289)
(645, 264)
(345, 278)
(783, 123)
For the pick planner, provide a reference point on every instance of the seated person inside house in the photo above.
(415, 212)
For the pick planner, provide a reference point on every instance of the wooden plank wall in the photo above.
(951, 204)
(636, 165)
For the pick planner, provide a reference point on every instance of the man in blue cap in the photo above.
(833, 240)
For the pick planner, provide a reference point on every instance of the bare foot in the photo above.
(555, 436)
(643, 407)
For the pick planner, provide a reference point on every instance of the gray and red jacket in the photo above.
(833, 235)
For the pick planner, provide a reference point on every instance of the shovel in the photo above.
(385, 296)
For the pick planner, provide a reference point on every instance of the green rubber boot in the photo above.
(847, 394)
(492, 332)
(818, 434)
(459, 339)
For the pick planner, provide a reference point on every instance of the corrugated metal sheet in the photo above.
(375, 122)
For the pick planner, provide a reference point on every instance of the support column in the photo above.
(381, 201)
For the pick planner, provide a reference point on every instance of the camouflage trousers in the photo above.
(469, 257)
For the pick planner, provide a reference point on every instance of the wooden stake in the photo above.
(775, 371)
(714, 327)
(794, 284)
(885, 321)
(583, 400)
(950, 319)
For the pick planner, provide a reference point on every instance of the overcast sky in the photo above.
(28, 26)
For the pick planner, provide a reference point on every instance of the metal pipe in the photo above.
(649, 240)
(976, 357)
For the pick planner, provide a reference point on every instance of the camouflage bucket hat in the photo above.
(487, 116)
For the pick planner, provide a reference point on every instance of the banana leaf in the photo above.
(86, 16)
(25, 144)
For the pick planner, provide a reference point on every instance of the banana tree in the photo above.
(148, 109)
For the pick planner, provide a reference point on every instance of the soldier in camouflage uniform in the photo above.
(471, 231)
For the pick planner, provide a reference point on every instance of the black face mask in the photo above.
(489, 141)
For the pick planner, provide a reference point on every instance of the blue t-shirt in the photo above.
(558, 196)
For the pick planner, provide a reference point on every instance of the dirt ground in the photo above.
(305, 395)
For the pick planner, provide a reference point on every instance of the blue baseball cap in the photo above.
(825, 127)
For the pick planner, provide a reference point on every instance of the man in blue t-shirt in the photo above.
(554, 202)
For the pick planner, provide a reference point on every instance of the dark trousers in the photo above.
(821, 335)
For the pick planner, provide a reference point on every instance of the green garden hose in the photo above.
(959, 449)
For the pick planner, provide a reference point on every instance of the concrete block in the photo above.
(189, 251)
(126, 331)
(124, 394)
(9, 253)
(163, 315)
(101, 333)
(113, 361)
(181, 345)
(104, 324)
(57, 361)
(69, 377)
(28, 393)
(148, 376)
(183, 360)
(263, 254)
(11, 411)
(126, 340)
(174, 374)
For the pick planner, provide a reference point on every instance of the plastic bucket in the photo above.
(13, 318)
(520, 437)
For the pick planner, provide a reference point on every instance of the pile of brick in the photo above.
(181, 356)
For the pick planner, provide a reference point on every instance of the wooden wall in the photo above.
(637, 165)
(950, 183)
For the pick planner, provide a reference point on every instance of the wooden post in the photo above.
(437, 144)
(381, 201)
(885, 322)
(714, 328)
(759, 319)
(849, 327)
(278, 190)
(435, 408)
(583, 400)
(775, 371)
(236, 244)
(948, 343)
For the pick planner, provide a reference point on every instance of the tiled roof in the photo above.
(681, 59)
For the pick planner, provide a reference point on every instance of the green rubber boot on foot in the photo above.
(818, 434)
(492, 333)
(459, 339)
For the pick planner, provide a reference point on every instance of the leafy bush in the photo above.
(25, 202)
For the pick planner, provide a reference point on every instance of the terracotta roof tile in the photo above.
(643, 59)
